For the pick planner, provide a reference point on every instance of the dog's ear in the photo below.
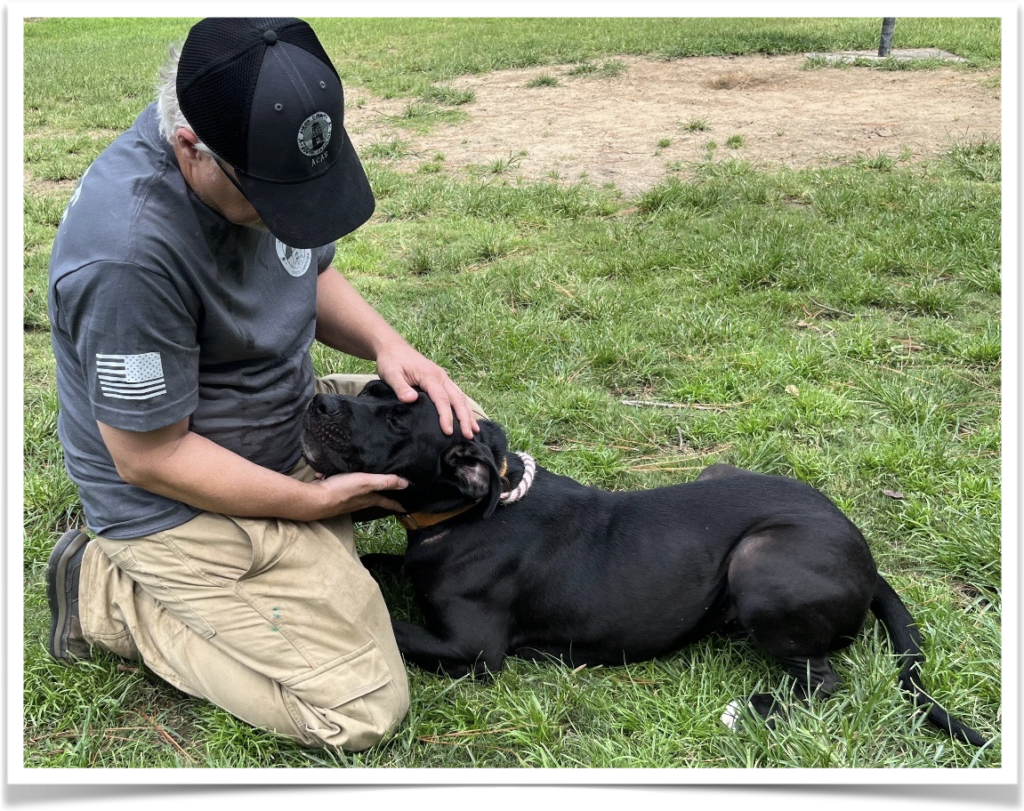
(475, 473)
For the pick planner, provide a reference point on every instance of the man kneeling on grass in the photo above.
(188, 279)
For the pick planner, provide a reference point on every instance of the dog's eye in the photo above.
(394, 423)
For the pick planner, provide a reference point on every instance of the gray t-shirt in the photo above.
(161, 309)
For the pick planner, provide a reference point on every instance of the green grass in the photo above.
(544, 80)
(500, 166)
(981, 160)
(583, 69)
(448, 95)
(115, 58)
(837, 324)
(421, 116)
(386, 149)
(607, 70)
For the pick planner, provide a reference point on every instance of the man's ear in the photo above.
(187, 143)
(475, 473)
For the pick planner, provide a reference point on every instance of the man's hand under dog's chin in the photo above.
(353, 492)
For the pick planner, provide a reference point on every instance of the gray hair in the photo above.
(171, 116)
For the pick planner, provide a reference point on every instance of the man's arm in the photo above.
(346, 322)
(182, 465)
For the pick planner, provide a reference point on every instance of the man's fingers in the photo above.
(459, 404)
(406, 393)
(386, 504)
(468, 419)
(450, 402)
(351, 492)
(372, 482)
(462, 410)
(377, 482)
(439, 397)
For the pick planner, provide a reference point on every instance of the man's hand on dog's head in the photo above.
(404, 369)
(448, 399)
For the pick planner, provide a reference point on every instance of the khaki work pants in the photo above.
(275, 621)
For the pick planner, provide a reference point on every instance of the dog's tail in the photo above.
(906, 640)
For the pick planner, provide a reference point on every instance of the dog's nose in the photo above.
(330, 407)
(320, 405)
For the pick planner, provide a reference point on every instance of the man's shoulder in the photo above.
(131, 202)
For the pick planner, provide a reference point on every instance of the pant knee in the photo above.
(358, 724)
(348, 384)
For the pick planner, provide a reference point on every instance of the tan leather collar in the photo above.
(413, 521)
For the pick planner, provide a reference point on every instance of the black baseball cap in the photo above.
(263, 95)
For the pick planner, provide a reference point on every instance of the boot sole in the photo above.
(64, 550)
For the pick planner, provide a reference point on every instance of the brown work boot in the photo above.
(67, 642)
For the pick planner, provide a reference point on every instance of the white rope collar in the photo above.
(525, 483)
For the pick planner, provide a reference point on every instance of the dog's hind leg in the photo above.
(814, 679)
(814, 676)
(800, 594)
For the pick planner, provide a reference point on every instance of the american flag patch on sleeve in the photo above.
(131, 377)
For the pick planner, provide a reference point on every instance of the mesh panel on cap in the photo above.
(301, 35)
(210, 42)
(218, 107)
(217, 74)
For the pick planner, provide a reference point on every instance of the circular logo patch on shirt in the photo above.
(295, 260)
(315, 134)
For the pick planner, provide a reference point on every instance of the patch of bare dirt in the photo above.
(46, 186)
(608, 129)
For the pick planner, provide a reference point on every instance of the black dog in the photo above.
(596, 577)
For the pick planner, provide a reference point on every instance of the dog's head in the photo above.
(375, 432)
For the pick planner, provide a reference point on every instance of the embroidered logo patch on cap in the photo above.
(315, 134)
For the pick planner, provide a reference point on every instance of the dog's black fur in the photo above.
(596, 577)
